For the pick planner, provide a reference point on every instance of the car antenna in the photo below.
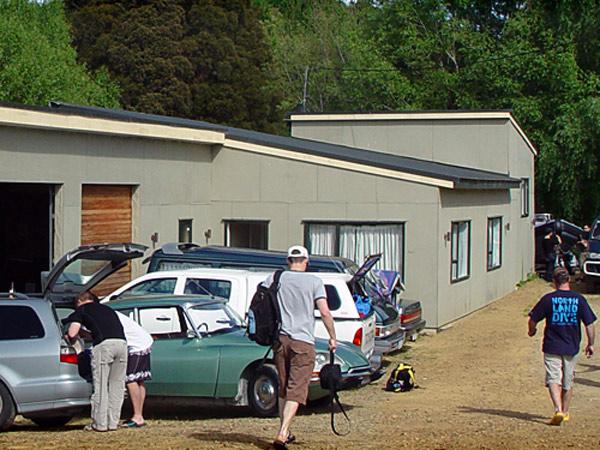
(11, 292)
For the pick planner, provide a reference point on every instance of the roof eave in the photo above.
(487, 184)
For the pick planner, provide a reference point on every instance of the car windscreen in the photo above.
(151, 287)
(218, 288)
(214, 318)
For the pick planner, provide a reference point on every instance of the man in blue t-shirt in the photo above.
(564, 310)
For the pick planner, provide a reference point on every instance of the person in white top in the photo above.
(139, 344)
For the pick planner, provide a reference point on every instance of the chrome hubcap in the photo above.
(265, 392)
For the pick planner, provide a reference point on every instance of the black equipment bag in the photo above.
(330, 377)
(264, 317)
(401, 379)
(330, 374)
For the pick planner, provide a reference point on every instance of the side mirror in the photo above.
(191, 334)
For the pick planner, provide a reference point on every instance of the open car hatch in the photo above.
(84, 267)
(370, 261)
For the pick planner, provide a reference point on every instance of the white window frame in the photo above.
(456, 251)
(494, 243)
(524, 197)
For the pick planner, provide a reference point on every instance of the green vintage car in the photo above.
(201, 350)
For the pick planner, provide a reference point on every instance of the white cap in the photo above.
(297, 251)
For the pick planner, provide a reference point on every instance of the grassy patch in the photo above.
(530, 277)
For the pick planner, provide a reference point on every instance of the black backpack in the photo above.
(402, 379)
(264, 317)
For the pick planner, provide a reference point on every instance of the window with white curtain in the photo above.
(461, 249)
(494, 243)
(356, 241)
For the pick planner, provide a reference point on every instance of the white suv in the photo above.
(238, 287)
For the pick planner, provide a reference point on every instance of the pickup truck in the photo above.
(591, 257)
(238, 286)
(392, 325)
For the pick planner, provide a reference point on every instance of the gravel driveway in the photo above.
(481, 386)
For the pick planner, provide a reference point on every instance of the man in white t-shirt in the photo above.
(139, 343)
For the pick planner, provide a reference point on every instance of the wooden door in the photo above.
(106, 218)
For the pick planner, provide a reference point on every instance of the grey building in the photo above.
(445, 196)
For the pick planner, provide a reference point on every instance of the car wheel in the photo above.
(56, 421)
(263, 392)
(7, 408)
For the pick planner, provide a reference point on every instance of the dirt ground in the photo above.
(481, 387)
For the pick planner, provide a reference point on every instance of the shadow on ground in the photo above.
(194, 410)
(588, 368)
(587, 382)
(528, 417)
(238, 438)
(33, 428)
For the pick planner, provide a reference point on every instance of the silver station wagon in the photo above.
(39, 373)
(39, 377)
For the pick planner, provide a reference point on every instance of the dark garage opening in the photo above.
(25, 234)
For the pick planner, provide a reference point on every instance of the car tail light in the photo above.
(377, 331)
(68, 355)
(410, 316)
(358, 336)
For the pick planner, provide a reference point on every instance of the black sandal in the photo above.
(291, 438)
(278, 445)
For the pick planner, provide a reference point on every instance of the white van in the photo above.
(238, 286)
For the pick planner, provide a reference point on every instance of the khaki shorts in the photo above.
(560, 369)
(295, 362)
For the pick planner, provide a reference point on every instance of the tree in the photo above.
(202, 59)
(324, 61)
(37, 62)
(533, 58)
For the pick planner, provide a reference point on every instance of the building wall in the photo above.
(171, 180)
(487, 144)
(521, 165)
(480, 144)
(287, 193)
(174, 180)
(456, 299)
(179, 181)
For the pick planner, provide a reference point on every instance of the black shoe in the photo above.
(278, 445)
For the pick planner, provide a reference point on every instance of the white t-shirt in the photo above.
(138, 339)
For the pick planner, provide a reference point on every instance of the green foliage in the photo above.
(534, 58)
(202, 59)
(530, 277)
(37, 62)
(321, 52)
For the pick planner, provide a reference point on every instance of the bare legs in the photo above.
(287, 411)
(556, 396)
(566, 400)
(137, 394)
(561, 399)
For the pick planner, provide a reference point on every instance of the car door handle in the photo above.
(163, 319)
